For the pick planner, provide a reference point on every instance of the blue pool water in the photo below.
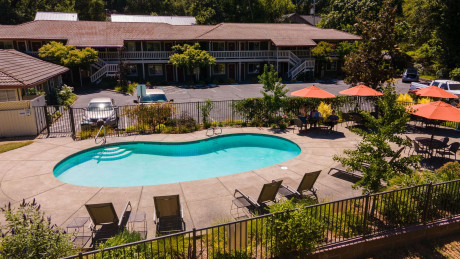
(151, 163)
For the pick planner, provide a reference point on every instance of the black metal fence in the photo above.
(312, 227)
(168, 117)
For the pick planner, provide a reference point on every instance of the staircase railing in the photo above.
(107, 68)
(104, 138)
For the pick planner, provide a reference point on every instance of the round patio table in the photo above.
(431, 144)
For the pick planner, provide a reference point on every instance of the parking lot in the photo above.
(219, 93)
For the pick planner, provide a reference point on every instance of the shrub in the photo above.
(405, 98)
(449, 171)
(399, 208)
(127, 88)
(455, 74)
(151, 115)
(66, 96)
(205, 109)
(424, 100)
(28, 234)
(122, 238)
(325, 109)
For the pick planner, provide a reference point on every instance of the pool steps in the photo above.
(112, 153)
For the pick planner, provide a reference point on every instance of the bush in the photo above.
(424, 100)
(66, 96)
(127, 88)
(455, 74)
(122, 238)
(28, 234)
(151, 115)
(399, 208)
(448, 172)
(205, 109)
(405, 98)
(325, 109)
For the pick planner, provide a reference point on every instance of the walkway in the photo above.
(28, 173)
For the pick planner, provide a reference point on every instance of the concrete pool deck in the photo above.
(27, 173)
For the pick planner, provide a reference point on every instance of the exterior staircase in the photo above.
(105, 69)
(300, 67)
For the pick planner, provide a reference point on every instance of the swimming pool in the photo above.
(152, 163)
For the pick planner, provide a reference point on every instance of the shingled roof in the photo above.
(18, 70)
(113, 34)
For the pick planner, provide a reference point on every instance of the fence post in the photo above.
(46, 120)
(233, 111)
(72, 123)
(366, 209)
(427, 201)
(194, 244)
(198, 111)
(80, 255)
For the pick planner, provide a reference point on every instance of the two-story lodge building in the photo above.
(240, 49)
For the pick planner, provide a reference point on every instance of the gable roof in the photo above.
(173, 20)
(113, 34)
(18, 70)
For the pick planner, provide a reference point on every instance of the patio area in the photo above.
(28, 173)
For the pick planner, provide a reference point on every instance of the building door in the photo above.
(180, 74)
(169, 73)
(242, 72)
(231, 46)
(232, 71)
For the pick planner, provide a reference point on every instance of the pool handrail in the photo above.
(104, 139)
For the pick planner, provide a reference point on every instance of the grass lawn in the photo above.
(13, 145)
(446, 247)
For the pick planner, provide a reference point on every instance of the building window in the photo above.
(22, 46)
(153, 46)
(131, 46)
(131, 70)
(155, 70)
(36, 45)
(254, 45)
(218, 46)
(8, 95)
(219, 69)
(253, 68)
(6, 44)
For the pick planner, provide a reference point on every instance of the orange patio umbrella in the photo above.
(436, 111)
(361, 90)
(313, 92)
(434, 91)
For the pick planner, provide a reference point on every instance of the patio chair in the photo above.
(104, 220)
(445, 140)
(168, 214)
(346, 117)
(450, 150)
(267, 195)
(419, 150)
(299, 124)
(306, 184)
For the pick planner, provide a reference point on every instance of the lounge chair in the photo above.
(267, 194)
(306, 184)
(104, 220)
(168, 215)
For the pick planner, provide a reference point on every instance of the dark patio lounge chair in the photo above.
(168, 215)
(267, 195)
(104, 220)
(306, 184)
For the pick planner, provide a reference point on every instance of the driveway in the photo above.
(219, 93)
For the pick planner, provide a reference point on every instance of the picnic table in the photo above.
(431, 144)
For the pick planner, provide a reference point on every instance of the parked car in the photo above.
(448, 85)
(410, 75)
(148, 95)
(100, 110)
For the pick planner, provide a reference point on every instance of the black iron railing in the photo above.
(321, 225)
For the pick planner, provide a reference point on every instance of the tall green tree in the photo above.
(91, 10)
(20, 11)
(68, 56)
(191, 57)
(273, 91)
(371, 63)
(376, 155)
(322, 53)
(273, 10)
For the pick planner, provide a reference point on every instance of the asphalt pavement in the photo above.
(218, 93)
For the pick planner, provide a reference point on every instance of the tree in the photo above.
(322, 52)
(371, 63)
(20, 11)
(273, 10)
(273, 91)
(191, 57)
(27, 233)
(67, 55)
(91, 10)
(374, 155)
